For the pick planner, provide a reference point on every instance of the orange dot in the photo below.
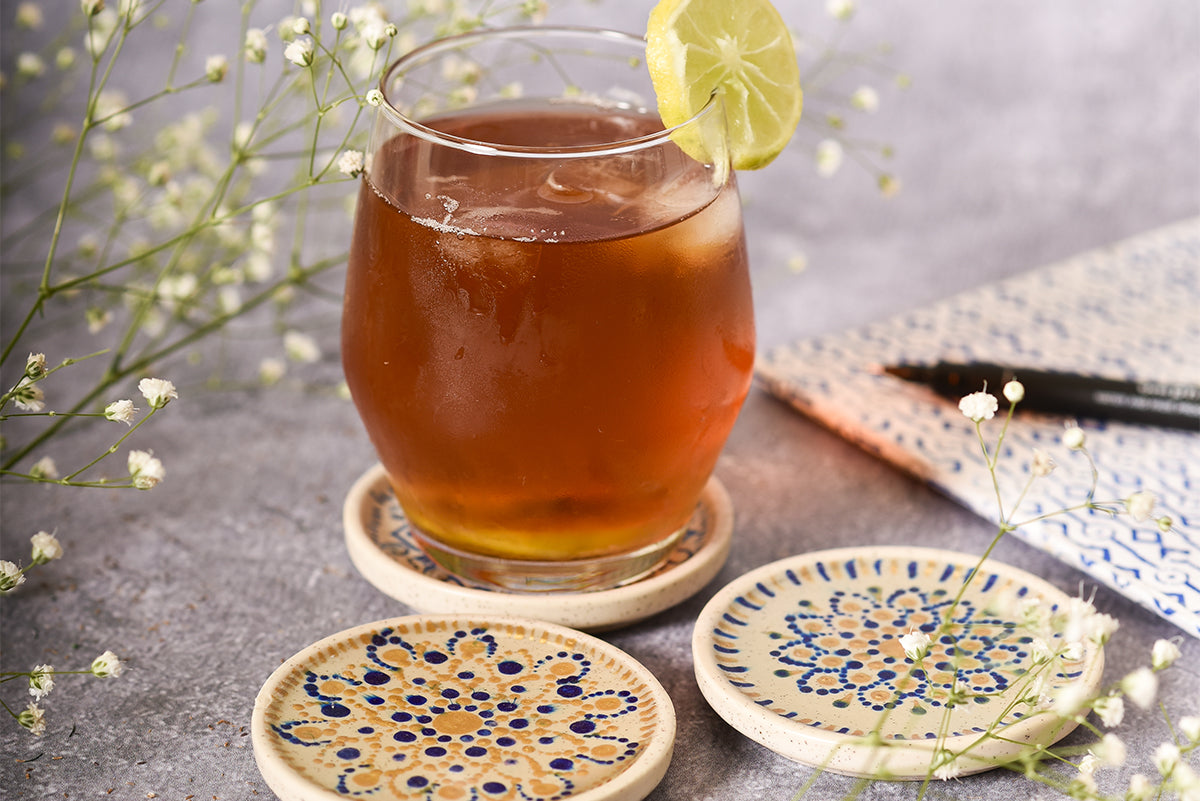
(457, 722)
(562, 669)
(607, 704)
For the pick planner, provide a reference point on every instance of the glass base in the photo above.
(525, 575)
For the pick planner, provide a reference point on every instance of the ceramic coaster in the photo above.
(462, 708)
(803, 656)
(381, 545)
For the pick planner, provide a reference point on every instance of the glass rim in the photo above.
(482, 147)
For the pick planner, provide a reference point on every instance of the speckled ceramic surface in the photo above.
(803, 655)
(476, 709)
(381, 545)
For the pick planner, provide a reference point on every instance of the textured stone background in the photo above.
(1032, 131)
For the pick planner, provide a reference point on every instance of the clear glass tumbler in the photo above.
(547, 328)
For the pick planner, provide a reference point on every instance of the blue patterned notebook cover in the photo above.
(1132, 311)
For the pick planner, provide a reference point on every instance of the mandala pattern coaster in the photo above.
(804, 656)
(380, 541)
(462, 709)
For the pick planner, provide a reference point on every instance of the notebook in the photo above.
(1129, 311)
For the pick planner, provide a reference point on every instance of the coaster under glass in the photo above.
(384, 547)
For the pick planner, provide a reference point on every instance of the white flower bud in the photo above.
(158, 391)
(107, 665)
(215, 68)
(1164, 654)
(338, 20)
(1140, 686)
(300, 52)
(978, 406)
(145, 471)
(46, 547)
(1140, 505)
(1014, 391)
(1074, 438)
(255, 46)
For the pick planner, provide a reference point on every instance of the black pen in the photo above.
(1081, 396)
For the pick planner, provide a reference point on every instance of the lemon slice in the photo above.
(741, 48)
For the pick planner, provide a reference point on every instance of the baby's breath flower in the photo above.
(889, 185)
(270, 371)
(375, 33)
(215, 68)
(945, 765)
(1014, 391)
(300, 26)
(107, 665)
(1166, 758)
(915, 644)
(33, 719)
(301, 347)
(91, 7)
(840, 9)
(46, 547)
(1140, 686)
(829, 157)
(44, 468)
(64, 59)
(121, 411)
(865, 99)
(1043, 463)
(145, 470)
(1069, 700)
(1190, 726)
(1074, 438)
(1163, 654)
(1140, 505)
(11, 576)
(374, 98)
(41, 681)
(28, 396)
(97, 319)
(338, 20)
(30, 65)
(351, 163)
(255, 45)
(1110, 709)
(1140, 788)
(300, 52)
(978, 406)
(29, 15)
(158, 391)
(1110, 751)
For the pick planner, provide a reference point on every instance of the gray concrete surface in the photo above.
(1032, 131)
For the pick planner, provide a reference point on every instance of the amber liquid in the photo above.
(547, 361)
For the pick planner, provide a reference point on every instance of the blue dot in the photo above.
(494, 787)
(505, 741)
(401, 717)
(517, 688)
(480, 695)
(404, 737)
(475, 751)
(366, 730)
(348, 753)
(334, 711)
(449, 693)
(466, 674)
(583, 727)
(435, 657)
(435, 751)
(519, 723)
(376, 678)
(418, 781)
(506, 706)
(416, 700)
(570, 691)
(545, 740)
(561, 764)
(545, 709)
(456, 768)
(509, 667)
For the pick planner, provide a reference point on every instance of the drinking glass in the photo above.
(547, 329)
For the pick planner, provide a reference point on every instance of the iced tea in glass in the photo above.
(547, 327)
